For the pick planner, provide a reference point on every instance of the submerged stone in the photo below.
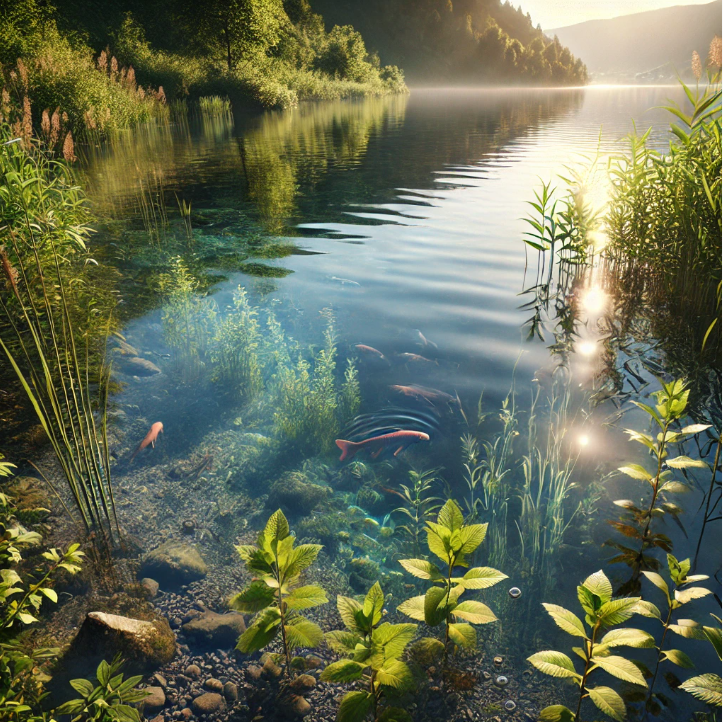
(217, 631)
(295, 495)
(207, 703)
(502, 681)
(510, 706)
(173, 564)
(137, 366)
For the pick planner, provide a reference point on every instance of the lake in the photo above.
(401, 219)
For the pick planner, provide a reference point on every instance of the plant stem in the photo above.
(707, 503)
(660, 654)
(588, 655)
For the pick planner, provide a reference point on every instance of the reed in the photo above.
(55, 358)
(214, 105)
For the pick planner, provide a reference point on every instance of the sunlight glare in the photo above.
(587, 348)
(595, 300)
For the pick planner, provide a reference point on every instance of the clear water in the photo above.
(400, 215)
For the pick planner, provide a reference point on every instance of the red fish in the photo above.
(371, 351)
(398, 439)
(150, 439)
(416, 357)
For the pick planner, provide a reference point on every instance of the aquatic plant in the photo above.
(687, 628)
(671, 405)
(601, 612)
(21, 597)
(275, 597)
(188, 319)
(707, 687)
(419, 505)
(214, 105)
(235, 346)
(54, 327)
(451, 540)
(112, 699)
(374, 653)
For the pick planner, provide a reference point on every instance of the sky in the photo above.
(558, 13)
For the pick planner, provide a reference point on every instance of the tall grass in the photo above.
(49, 326)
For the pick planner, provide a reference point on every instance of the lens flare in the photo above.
(583, 440)
(587, 348)
(595, 300)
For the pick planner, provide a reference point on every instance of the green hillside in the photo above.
(458, 41)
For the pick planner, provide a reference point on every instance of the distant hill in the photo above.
(650, 45)
(456, 42)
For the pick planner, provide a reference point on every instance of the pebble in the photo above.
(193, 671)
(207, 703)
(230, 691)
(214, 685)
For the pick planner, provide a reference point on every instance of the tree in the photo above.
(345, 55)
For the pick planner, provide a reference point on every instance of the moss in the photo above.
(295, 495)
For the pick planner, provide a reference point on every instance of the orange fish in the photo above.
(150, 439)
(416, 357)
(399, 439)
(371, 351)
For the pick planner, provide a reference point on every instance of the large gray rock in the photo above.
(217, 631)
(173, 564)
(145, 644)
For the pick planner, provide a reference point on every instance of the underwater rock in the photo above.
(217, 631)
(295, 495)
(137, 366)
(150, 587)
(123, 348)
(291, 700)
(207, 703)
(193, 670)
(155, 701)
(230, 691)
(213, 685)
(173, 564)
(145, 644)
(364, 572)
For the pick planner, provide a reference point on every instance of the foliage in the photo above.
(452, 541)
(419, 506)
(374, 653)
(601, 612)
(21, 597)
(111, 700)
(687, 628)
(707, 687)
(671, 405)
(235, 349)
(54, 323)
(275, 596)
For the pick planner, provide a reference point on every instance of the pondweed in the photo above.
(419, 506)
(451, 540)
(275, 596)
(374, 652)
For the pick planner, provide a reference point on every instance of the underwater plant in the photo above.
(112, 699)
(682, 594)
(419, 505)
(374, 651)
(275, 596)
(452, 541)
(708, 687)
(601, 612)
(235, 349)
(672, 402)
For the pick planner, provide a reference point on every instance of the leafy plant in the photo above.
(682, 594)
(601, 612)
(275, 595)
(110, 700)
(419, 505)
(374, 652)
(451, 540)
(707, 687)
(672, 402)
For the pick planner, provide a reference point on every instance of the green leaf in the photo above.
(694, 429)
(254, 598)
(474, 612)
(683, 596)
(355, 707)
(394, 714)
(261, 632)
(647, 609)
(705, 687)
(82, 686)
(374, 604)
(463, 635)
(50, 594)
(301, 558)
(607, 700)
(636, 471)
(342, 642)
(103, 673)
(393, 639)
(433, 599)
(306, 597)
(617, 611)
(556, 713)
(628, 638)
(599, 585)
(688, 628)
(301, 632)
(685, 462)
(344, 671)
(677, 657)
(413, 608)
(394, 673)
(713, 635)
(421, 569)
(450, 516)
(674, 487)
(480, 578)
(566, 620)
(555, 664)
(277, 528)
(621, 668)
(348, 609)
(471, 537)
(659, 582)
